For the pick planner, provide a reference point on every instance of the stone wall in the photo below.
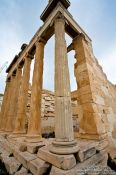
(96, 96)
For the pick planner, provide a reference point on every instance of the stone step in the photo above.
(4, 155)
(6, 145)
(82, 168)
(38, 166)
(24, 157)
(64, 162)
(33, 147)
(86, 153)
(12, 165)
(112, 152)
(22, 171)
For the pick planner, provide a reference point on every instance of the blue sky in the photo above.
(19, 20)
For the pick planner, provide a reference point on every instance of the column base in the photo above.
(17, 135)
(1, 132)
(91, 136)
(64, 148)
(4, 133)
(33, 138)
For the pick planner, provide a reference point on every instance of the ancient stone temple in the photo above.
(23, 150)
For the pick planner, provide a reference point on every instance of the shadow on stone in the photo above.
(11, 155)
(111, 163)
(48, 135)
(3, 170)
(48, 170)
(20, 167)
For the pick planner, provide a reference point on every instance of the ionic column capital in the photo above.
(60, 18)
(8, 79)
(19, 68)
(13, 75)
(41, 41)
(28, 55)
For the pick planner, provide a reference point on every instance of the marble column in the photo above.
(4, 104)
(23, 96)
(65, 143)
(10, 119)
(18, 85)
(34, 126)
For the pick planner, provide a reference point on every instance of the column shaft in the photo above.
(17, 87)
(10, 116)
(34, 126)
(63, 118)
(23, 96)
(65, 143)
(4, 104)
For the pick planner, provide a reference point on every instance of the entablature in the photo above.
(47, 30)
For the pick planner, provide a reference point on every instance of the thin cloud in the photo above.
(20, 21)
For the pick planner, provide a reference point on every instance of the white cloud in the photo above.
(89, 14)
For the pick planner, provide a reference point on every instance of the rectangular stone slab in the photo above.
(85, 154)
(22, 171)
(12, 165)
(64, 162)
(82, 168)
(33, 147)
(38, 166)
(24, 157)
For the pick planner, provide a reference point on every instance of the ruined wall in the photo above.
(96, 95)
(111, 116)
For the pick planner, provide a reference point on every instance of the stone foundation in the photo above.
(20, 158)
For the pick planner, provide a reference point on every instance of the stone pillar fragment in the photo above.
(23, 96)
(64, 143)
(34, 126)
(4, 104)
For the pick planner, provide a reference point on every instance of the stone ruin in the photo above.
(92, 149)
